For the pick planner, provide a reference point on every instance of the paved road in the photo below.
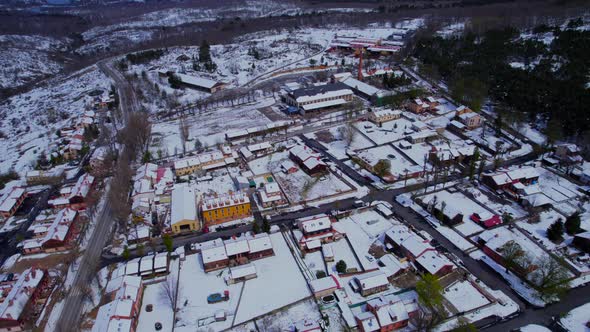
(91, 257)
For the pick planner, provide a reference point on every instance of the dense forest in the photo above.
(540, 76)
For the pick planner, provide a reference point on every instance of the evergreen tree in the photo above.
(168, 242)
(341, 267)
(555, 231)
(572, 224)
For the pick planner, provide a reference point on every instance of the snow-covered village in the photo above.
(294, 166)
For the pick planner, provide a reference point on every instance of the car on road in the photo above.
(358, 204)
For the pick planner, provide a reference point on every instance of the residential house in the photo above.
(568, 154)
(12, 201)
(582, 241)
(371, 283)
(309, 160)
(316, 230)
(18, 298)
(471, 120)
(324, 286)
(270, 195)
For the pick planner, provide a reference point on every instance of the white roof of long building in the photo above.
(198, 81)
(19, 295)
(183, 205)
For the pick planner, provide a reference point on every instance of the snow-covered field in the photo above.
(26, 58)
(208, 127)
(29, 121)
(337, 147)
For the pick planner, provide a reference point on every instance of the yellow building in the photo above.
(220, 209)
(205, 161)
(183, 214)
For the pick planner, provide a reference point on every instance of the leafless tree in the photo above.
(169, 291)
(184, 132)
(347, 133)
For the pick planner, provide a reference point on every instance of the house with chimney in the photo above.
(218, 254)
(315, 231)
(19, 297)
(12, 201)
(310, 161)
(122, 312)
(73, 196)
(52, 234)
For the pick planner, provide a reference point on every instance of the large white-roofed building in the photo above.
(183, 214)
(319, 96)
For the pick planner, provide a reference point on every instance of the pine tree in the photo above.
(555, 231)
(572, 224)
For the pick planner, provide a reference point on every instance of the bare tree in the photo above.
(347, 133)
(169, 291)
(184, 132)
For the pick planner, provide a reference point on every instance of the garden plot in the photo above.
(511, 208)
(364, 230)
(399, 164)
(286, 320)
(489, 139)
(154, 295)
(342, 251)
(192, 301)
(390, 131)
(464, 296)
(218, 183)
(418, 153)
(315, 262)
(333, 141)
(556, 187)
(208, 127)
(457, 203)
(539, 230)
(300, 187)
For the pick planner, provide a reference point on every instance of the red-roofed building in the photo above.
(486, 219)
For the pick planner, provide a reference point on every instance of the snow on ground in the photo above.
(26, 58)
(451, 30)
(30, 120)
(342, 251)
(398, 163)
(519, 286)
(267, 292)
(285, 320)
(299, 186)
(362, 230)
(576, 320)
(458, 202)
(391, 131)
(154, 294)
(9, 262)
(338, 146)
(534, 328)
(208, 127)
(513, 208)
(556, 187)
(464, 296)
(539, 230)
(315, 261)
(261, 295)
